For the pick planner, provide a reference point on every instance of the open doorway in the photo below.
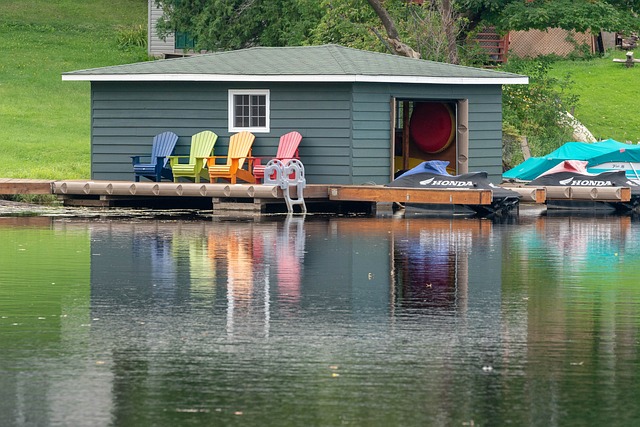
(429, 130)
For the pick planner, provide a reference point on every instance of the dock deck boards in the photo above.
(453, 196)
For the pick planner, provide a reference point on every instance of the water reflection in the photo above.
(322, 321)
(433, 260)
(575, 280)
(44, 318)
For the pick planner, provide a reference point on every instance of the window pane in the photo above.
(249, 110)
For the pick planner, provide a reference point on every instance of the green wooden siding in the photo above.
(126, 116)
(371, 153)
(372, 125)
(346, 128)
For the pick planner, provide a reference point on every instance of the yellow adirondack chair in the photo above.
(201, 147)
(239, 154)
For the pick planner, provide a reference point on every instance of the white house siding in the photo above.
(155, 45)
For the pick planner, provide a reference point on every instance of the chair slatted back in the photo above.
(240, 147)
(163, 145)
(202, 144)
(288, 146)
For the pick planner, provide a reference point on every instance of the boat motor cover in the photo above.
(572, 179)
(432, 174)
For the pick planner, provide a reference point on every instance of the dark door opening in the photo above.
(427, 130)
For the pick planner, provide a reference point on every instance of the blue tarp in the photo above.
(438, 167)
(595, 154)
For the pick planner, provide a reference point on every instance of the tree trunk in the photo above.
(394, 39)
(447, 19)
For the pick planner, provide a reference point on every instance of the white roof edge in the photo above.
(293, 78)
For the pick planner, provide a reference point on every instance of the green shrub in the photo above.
(534, 110)
(131, 37)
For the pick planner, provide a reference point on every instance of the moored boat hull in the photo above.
(433, 175)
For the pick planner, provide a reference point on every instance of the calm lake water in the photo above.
(323, 321)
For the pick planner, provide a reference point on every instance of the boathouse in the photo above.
(363, 115)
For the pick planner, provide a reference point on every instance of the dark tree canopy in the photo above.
(579, 15)
(235, 24)
(432, 27)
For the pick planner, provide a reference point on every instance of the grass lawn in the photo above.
(45, 130)
(609, 95)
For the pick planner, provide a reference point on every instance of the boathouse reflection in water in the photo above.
(387, 266)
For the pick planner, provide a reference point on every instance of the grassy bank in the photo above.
(45, 122)
(45, 130)
(609, 94)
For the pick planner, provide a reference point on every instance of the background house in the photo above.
(176, 44)
(354, 109)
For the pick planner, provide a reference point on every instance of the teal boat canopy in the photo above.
(603, 156)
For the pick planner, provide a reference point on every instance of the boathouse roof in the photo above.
(327, 63)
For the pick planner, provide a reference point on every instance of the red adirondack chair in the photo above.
(287, 150)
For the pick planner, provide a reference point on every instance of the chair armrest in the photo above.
(136, 159)
(176, 159)
(211, 160)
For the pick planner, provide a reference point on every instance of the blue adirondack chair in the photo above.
(156, 169)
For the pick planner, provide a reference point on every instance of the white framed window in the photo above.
(249, 110)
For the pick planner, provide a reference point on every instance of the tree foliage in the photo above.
(235, 24)
(578, 15)
(427, 28)
(537, 110)
(435, 28)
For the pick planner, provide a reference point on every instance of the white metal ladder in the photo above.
(287, 175)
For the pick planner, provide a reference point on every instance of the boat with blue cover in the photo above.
(603, 156)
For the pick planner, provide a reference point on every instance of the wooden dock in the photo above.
(256, 197)
(270, 198)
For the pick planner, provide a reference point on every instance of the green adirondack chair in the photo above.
(193, 166)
